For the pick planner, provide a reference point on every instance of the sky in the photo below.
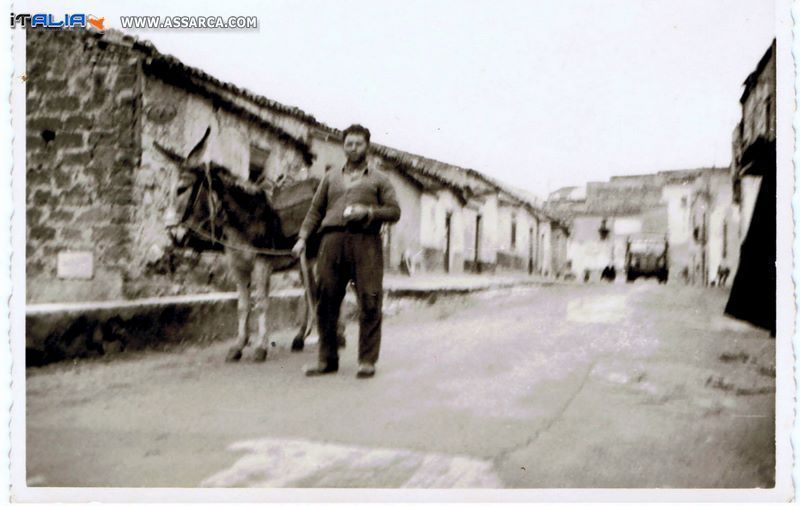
(540, 94)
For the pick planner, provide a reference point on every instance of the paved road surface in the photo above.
(563, 386)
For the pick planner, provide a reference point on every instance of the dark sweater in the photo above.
(372, 189)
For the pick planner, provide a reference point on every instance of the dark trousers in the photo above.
(345, 256)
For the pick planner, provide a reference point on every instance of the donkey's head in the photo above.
(193, 202)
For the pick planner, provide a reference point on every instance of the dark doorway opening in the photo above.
(386, 237)
(530, 251)
(447, 221)
(477, 259)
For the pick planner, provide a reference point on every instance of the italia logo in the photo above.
(42, 20)
(96, 22)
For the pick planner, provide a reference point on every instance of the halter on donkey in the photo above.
(223, 212)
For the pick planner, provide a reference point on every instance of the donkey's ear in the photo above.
(169, 153)
(196, 154)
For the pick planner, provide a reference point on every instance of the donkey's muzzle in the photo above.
(177, 233)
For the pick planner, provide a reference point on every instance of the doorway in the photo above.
(477, 259)
(447, 220)
(386, 238)
(530, 251)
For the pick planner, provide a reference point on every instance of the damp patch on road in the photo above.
(273, 462)
(598, 309)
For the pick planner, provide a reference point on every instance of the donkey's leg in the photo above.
(241, 268)
(309, 304)
(261, 277)
(298, 343)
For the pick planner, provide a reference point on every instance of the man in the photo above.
(348, 209)
(723, 271)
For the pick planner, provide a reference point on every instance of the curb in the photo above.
(57, 332)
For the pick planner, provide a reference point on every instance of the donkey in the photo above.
(214, 210)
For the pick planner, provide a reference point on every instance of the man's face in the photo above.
(355, 147)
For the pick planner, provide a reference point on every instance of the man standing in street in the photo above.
(348, 209)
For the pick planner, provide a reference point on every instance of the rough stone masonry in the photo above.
(83, 105)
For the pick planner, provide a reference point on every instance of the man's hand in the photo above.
(356, 212)
(299, 247)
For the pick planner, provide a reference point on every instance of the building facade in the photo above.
(690, 210)
(99, 192)
(754, 193)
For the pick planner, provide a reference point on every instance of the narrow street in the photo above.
(598, 385)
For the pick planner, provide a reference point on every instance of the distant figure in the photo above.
(410, 262)
(405, 264)
(609, 273)
(723, 271)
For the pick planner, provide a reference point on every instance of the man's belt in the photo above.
(352, 229)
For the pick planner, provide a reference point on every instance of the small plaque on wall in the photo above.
(75, 265)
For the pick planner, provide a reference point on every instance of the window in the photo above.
(604, 230)
(258, 163)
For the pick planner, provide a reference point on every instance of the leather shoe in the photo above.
(365, 371)
(321, 368)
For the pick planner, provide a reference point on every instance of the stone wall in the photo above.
(98, 190)
(83, 101)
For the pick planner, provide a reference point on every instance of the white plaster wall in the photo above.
(714, 244)
(733, 219)
(489, 230)
(503, 226)
(433, 213)
(524, 223)
(546, 251)
(585, 249)
(157, 176)
(469, 213)
(405, 234)
(328, 153)
(625, 225)
(427, 228)
(591, 255)
(720, 215)
(231, 136)
(559, 251)
(678, 198)
(448, 204)
(295, 126)
(750, 186)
